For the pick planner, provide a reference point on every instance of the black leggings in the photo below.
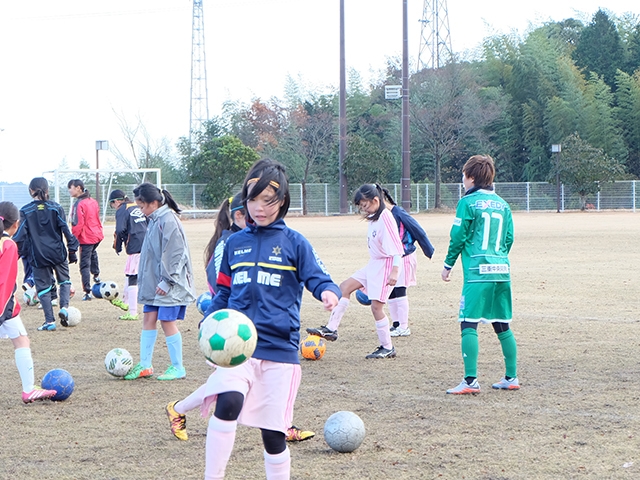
(228, 407)
(398, 292)
(498, 327)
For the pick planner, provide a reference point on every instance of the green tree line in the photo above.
(570, 83)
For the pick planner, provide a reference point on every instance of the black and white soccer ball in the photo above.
(109, 290)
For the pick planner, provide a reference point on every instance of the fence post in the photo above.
(598, 201)
(562, 197)
(426, 196)
(301, 200)
(418, 197)
(459, 191)
(633, 193)
(326, 200)
(194, 196)
(528, 195)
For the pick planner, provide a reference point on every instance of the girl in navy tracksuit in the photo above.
(40, 240)
(410, 232)
(263, 271)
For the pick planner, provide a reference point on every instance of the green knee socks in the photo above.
(469, 344)
(510, 353)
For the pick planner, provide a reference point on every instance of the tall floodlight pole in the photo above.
(435, 37)
(406, 157)
(100, 145)
(199, 106)
(342, 118)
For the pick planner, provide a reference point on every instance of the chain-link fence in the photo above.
(324, 198)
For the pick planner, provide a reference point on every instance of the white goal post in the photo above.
(63, 176)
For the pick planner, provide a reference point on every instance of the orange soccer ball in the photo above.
(313, 347)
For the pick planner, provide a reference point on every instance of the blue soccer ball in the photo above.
(61, 381)
(204, 302)
(95, 290)
(362, 298)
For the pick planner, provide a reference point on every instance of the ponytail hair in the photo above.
(387, 196)
(9, 215)
(368, 192)
(148, 192)
(39, 188)
(224, 221)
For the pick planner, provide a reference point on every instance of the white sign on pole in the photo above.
(392, 92)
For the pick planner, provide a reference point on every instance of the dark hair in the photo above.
(482, 169)
(148, 192)
(76, 182)
(39, 188)
(387, 196)
(224, 220)
(267, 173)
(10, 215)
(369, 191)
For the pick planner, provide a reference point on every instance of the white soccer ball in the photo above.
(227, 338)
(109, 290)
(118, 362)
(73, 316)
(30, 297)
(344, 431)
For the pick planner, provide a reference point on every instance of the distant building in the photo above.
(17, 193)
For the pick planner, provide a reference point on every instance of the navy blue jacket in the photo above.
(131, 227)
(262, 274)
(411, 232)
(39, 236)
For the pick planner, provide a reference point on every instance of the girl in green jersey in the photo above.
(482, 235)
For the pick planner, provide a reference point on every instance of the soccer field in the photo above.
(576, 319)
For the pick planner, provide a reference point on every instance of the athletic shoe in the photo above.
(505, 384)
(294, 434)
(120, 304)
(400, 332)
(138, 371)
(47, 327)
(87, 297)
(96, 279)
(464, 388)
(382, 352)
(37, 394)
(172, 373)
(178, 422)
(64, 317)
(128, 316)
(324, 332)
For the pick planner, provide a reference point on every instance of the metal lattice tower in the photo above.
(435, 37)
(199, 107)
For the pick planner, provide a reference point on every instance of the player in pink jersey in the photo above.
(379, 277)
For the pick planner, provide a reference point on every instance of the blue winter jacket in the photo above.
(262, 274)
(411, 232)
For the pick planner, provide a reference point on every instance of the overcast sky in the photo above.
(68, 65)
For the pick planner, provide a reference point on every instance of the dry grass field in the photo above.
(576, 318)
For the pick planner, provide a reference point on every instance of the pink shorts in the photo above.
(374, 277)
(410, 267)
(131, 267)
(269, 389)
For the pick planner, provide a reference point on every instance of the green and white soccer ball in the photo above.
(227, 338)
(30, 297)
(118, 362)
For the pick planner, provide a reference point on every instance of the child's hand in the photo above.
(160, 291)
(446, 274)
(329, 300)
(393, 277)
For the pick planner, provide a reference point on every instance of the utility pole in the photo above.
(199, 106)
(342, 118)
(406, 153)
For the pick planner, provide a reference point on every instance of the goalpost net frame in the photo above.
(58, 173)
